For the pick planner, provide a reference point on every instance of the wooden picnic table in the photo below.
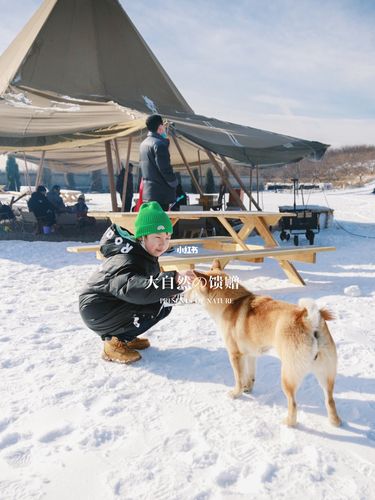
(260, 221)
(251, 220)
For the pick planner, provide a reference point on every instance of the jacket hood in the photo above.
(117, 240)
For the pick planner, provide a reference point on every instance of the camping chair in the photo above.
(192, 228)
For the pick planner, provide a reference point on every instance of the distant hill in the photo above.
(347, 166)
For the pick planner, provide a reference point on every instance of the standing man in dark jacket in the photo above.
(159, 180)
(125, 296)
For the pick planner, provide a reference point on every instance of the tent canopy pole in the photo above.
(39, 174)
(126, 175)
(239, 180)
(225, 180)
(117, 156)
(27, 173)
(200, 169)
(111, 177)
(251, 186)
(196, 184)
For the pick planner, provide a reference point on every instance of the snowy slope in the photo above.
(73, 426)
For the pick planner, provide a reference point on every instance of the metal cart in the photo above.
(305, 222)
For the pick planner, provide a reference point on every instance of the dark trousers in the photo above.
(133, 332)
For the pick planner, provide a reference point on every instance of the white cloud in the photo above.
(317, 53)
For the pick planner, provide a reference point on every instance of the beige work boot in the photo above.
(138, 343)
(118, 351)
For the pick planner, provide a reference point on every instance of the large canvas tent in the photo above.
(80, 75)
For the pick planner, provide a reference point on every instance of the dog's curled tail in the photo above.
(314, 313)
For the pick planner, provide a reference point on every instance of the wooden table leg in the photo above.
(232, 232)
(248, 226)
(288, 268)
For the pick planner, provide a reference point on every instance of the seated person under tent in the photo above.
(42, 208)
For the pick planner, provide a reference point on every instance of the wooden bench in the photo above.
(173, 243)
(303, 254)
(254, 254)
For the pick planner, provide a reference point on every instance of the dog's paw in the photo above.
(234, 393)
(290, 422)
(335, 421)
(248, 388)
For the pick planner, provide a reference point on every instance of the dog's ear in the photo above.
(199, 274)
(216, 266)
(300, 315)
(326, 314)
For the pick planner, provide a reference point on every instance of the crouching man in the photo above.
(124, 297)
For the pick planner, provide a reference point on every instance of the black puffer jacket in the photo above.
(39, 205)
(159, 180)
(118, 295)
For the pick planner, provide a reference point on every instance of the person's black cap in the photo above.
(56, 187)
(41, 189)
(153, 122)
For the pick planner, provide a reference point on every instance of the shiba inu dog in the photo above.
(251, 324)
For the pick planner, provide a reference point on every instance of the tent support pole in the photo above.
(225, 180)
(251, 187)
(196, 184)
(118, 161)
(27, 173)
(117, 156)
(257, 171)
(111, 177)
(200, 169)
(126, 175)
(39, 174)
(239, 180)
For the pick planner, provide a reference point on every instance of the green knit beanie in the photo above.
(152, 219)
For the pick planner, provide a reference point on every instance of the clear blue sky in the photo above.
(302, 67)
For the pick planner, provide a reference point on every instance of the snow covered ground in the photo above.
(74, 426)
